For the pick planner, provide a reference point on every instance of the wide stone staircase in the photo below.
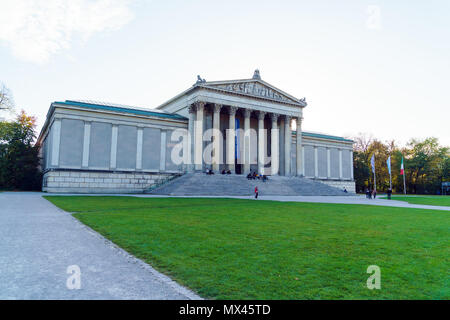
(200, 184)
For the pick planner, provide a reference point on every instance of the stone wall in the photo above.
(84, 181)
(340, 184)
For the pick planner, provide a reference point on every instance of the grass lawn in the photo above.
(428, 200)
(246, 249)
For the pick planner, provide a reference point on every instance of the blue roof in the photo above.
(324, 136)
(122, 109)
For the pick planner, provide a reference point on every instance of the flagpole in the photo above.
(402, 171)
(372, 163)
(404, 182)
(374, 181)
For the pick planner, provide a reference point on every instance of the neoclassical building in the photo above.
(238, 125)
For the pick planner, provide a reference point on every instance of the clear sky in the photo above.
(380, 67)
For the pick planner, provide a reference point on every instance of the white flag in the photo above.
(389, 164)
(372, 162)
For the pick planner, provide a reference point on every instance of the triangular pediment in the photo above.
(255, 88)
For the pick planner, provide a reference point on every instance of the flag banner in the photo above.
(402, 168)
(372, 162)
(237, 141)
(389, 164)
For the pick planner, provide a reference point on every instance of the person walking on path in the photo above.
(389, 193)
(374, 193)
(256, 192)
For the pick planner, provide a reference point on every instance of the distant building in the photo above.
(237, 125)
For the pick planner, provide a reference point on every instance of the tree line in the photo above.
(426, 165)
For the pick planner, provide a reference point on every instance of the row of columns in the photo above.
(195, 146)
(340, 157)
(56, 145)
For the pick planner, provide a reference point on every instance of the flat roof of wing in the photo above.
(120, 108)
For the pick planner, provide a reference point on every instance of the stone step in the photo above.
(200, 184)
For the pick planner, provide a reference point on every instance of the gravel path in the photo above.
(39, 242)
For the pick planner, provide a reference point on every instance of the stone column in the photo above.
(139, 145)
(274, 145)
(56, 132)
(162, 159)
(216, 137)
(86, 143)
(191, 138)
(287, 146)
(300, 171)
(340, 164)
(231, 134)
(316, 162)
(351, 165)
(328, 163)
(303, 161)
(113, 156)
(247, 138)
(261, 142)
(198, 148)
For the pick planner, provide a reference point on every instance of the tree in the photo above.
(363, 142)
(19, 157)
(427, 164)
(381, 152)
(361, 171)
(361, 161)
(6, 99)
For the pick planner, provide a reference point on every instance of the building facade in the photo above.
(239, 125)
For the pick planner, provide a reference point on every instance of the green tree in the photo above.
(361, 161)
(381, 152)
(426, 165)
(361, 171)
(19, 157)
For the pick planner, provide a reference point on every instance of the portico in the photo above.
(245, 117)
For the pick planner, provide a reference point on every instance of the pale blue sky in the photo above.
(388, 76)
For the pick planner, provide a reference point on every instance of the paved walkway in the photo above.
(357, 199)
(39, 241)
